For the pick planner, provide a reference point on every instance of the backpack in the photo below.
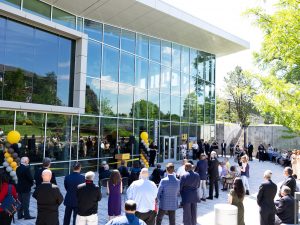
(10, 205)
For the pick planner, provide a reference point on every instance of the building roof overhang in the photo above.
(159, 19)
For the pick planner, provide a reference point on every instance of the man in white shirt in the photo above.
(181, 170)
(195, 147)
(144, 192)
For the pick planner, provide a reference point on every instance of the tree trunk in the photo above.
(245, 135)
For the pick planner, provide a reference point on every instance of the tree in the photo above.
(239, 88)
(278, 94)
(225, 110)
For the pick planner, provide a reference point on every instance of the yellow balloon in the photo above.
(6, 155)
(13, 137)
(144, 136)
(13, 164)
(9, 159)
(15, 168)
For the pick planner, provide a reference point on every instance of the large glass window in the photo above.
(141, 77)
(207, 113)
(108, 132)
(6, 121)
(38, 8)
(63, 18)
(185, 85)
(193, 62)
(58, 137)
(175, 108)
(142, 46)
(128, 41)
(165, 111)
(165, 129)
(125, 130)
(125, 101)
(127, 68)
(109, 98)
(166, 53)
(154, 49)
(193, 108)
(93, 29)
(42, 64)
(110, 64)
(32, 129)
(213, 68)
(153, 105)
(200, 113)
(175, 83)
(176, 56)
(112, 36)
(94, 59)
(88, 137)
(185, 60)
(14, 3)
(140, 103)
(92, 96)
(154, 75)
(165, 80)
(185, 108)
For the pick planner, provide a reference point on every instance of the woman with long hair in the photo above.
(5, 218)
(245, 173)
(114, 190)
(236, 197)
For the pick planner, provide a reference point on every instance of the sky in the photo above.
(227, 15)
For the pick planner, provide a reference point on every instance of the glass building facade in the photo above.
(134, 83)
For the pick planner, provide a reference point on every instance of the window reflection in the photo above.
(185, 85)
(166, 53)
(92, 96)
(175, 83)
(165, 111)
(140, 103)
(109, 98)
(125, 101)
(207, 113)
(141, 77)
(93, 29)
(142, 46)
(58, 138)
(128, 41)
(88, 137)
(14, 3)
(193, 62)
(94, 59)
(176, 56)
(110, 64)
(185, 108)
(127, 68)
(154, 49)
(31, 126)
(175, 108)
(165, 80)
(154, 76)
(38, 8)
(112, 36)
(185, 62)
(125, 130)
(108, 134)
(193, 108)
(153, 105)
(63, 18)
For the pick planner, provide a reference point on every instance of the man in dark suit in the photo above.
(38, 173)
(289, 181)
(25, 182)
(223, 148)
(88, 195)
(250, 151)
(189, 184)
(207, 149)
(285, 207)
(213, 173)
(71, 182)
(48, 199)
(167, 196)
(265, 200)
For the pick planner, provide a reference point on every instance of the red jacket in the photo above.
(4, 191)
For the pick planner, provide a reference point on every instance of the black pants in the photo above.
(68, 214)
(267, 218)
(5, 219)
(148, 217)
(224, 152)
(250, 156)
(213, 183)
(161, 214)
(24, 198)
(189, 213)
(195, 154)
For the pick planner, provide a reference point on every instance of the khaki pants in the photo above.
(87, 220)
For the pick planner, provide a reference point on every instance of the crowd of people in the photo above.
(150, 196)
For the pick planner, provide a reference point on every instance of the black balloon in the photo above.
(18, 160)
(15, 155)
(11, 150)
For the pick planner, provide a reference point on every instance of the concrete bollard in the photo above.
(225, 214)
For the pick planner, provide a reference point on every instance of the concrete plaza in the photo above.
(205, 209)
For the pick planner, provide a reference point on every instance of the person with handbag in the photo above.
(5, 188)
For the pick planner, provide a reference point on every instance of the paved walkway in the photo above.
(205, 209)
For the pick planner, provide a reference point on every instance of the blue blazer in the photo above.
(168, 191)
(189, 184)
(71, 182)
(201, 169)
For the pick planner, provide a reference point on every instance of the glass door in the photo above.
(169, 145)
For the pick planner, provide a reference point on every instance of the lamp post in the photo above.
(229, 112)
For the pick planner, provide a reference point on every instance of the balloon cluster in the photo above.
(11, 158)
(145, 141)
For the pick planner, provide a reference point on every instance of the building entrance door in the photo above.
(169, 145)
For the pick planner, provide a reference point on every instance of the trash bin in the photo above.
(225, 214)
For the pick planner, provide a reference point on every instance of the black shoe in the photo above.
(29, 218)
(247, 192)
(20, 217)
(210, 198)
(224, 189)
(216, 196)
(203, 199)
